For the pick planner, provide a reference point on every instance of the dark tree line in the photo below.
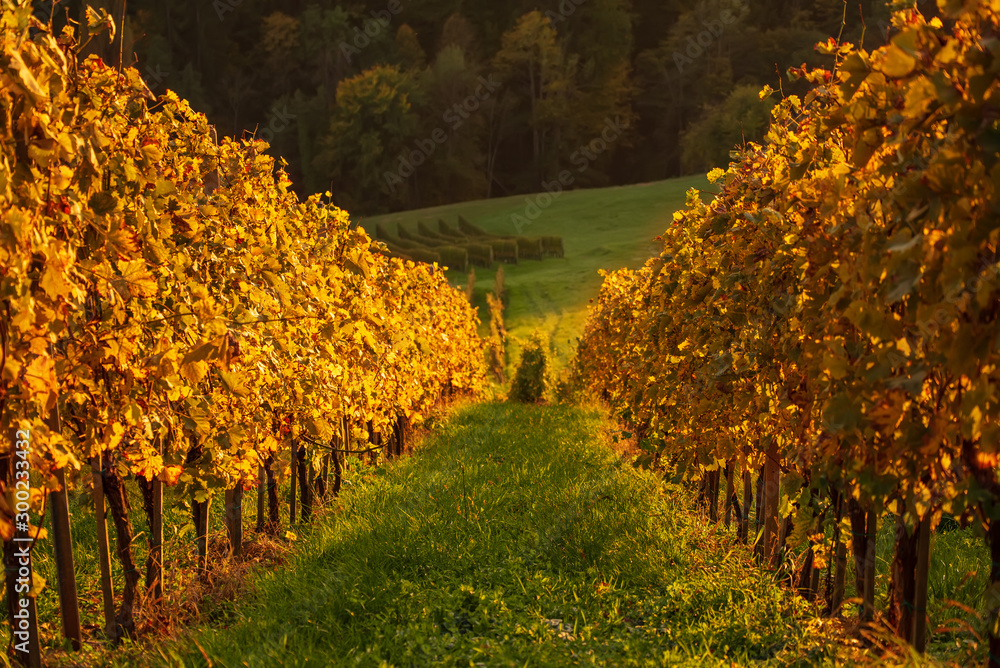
(396, 104)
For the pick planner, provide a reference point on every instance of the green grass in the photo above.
(198, 605)
(958, 574)
(604, 228)
(516, 537)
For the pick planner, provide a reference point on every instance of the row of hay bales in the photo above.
(463, 245)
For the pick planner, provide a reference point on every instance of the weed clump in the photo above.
(529, 379)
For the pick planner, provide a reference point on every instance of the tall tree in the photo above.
(539, 77)
(372, 126)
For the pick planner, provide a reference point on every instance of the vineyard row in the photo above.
(171, 311)
(829, 318)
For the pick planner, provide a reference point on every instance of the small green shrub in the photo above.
(424, 230)
(424, 255)
(470, 230)
(480, 255)
(552, 247)
(529, 379)
(505, 250)
(566, 389)
(529, 248)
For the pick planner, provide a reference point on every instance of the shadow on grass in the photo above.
(515, 537)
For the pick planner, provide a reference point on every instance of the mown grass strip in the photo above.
(516, 537)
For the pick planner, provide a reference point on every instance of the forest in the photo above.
(400, 104)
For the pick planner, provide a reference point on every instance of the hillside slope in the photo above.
(605, 228)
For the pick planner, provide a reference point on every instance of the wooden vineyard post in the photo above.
(65, 572)
(713, 495)
(840, 562)
(839, 578)
(340, 457)
(261, 499)
(154, 576)
(337, 472)
(871, 531)
(804, 582)
(814, 581)
(234, 519)
(323, 479)
(152, 492)
(373, 442)
(118, 502)
(294, 469)
(771, 489)
(103, 546)
(390, 448)
(730, 491)
(400, 436)
(304, 473)
(201, 510)
(273, 502)
(759, 502)
(920, 595)
(62, 541)
(747, 503)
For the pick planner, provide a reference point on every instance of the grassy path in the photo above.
(515, 538)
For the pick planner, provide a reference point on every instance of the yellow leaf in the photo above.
(55, 280)
(62, 177)
(233, 383)
(193, 372)
(903, 346)
(135, 280)
(24, 79)
(40, 376)
(152, 152)
(897, 63)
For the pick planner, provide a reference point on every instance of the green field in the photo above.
(606, 228)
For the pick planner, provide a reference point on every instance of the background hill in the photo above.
(602, 228)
